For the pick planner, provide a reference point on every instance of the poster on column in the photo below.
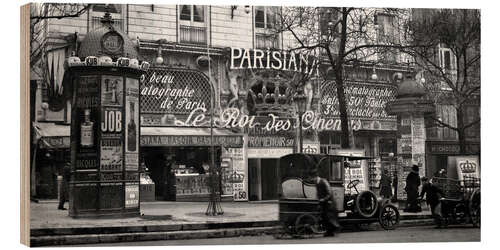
(132, 124)
(111, 139)
(86, 123)
(239, 174)
(112, 91)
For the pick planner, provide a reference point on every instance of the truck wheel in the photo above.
(366, 204)
(388, 217)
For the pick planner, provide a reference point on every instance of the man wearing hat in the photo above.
(412, 184)
(327, 205)
(64, 194)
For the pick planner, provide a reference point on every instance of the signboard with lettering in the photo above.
(276, 60)
(190, 140)
(169, 93)
(271, 132)
(364, 101)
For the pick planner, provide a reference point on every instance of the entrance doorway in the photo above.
(269, 168)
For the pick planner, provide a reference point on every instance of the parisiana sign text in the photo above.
(273, 59)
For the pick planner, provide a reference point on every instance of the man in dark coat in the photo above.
(385, 185)
(412, 184)
(327, 205)
(433, 195)
(64, 195)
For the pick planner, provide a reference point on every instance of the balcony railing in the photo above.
(192, 34)
(96, 23)
(264, 41)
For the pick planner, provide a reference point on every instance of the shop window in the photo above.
(329, 140)
(192, 25)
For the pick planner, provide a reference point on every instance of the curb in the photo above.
(174, 232)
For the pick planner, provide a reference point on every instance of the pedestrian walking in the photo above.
(412, 184)
(64, 194)
(328, 209)
(385, 185)
(433, 195)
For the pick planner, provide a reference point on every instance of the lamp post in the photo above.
(301, 100)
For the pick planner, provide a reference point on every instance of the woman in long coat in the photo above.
(412, 184)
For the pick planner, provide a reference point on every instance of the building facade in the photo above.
(206, 87)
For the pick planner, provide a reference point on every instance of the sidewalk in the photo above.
(46, 215)
(165, 221)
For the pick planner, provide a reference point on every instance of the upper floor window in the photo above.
(385, 24)
(192, 24)
(98, 11)
(447, 59)
(265, 17)
(192, 13)
(329, 21)
(112, 8)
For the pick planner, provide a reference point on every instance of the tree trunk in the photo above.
(344, 122)
(339, 80)
(461, 131)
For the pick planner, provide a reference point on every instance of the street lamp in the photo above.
(301, 100)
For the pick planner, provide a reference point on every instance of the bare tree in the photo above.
(345, 36)
(40, 13)
(450, 61)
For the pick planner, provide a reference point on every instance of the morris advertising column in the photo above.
(410, 108)
(105, 125)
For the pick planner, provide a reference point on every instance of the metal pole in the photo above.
(300, 132)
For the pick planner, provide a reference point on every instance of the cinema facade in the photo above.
(240, 101)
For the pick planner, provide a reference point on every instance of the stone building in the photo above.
(198, 54)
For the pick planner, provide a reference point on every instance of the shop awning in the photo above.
(51, 135)
(182, 136)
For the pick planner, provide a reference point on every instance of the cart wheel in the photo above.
(306, 225)
(389, 217)
(475, 208)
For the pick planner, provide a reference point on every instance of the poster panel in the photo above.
(227, 177)
(239, 175)
(468, 167)
(357, 170)
(112, 91)
(111, 154)
(85, 123)
(132, 124)
(131, 195)
(111, 140)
